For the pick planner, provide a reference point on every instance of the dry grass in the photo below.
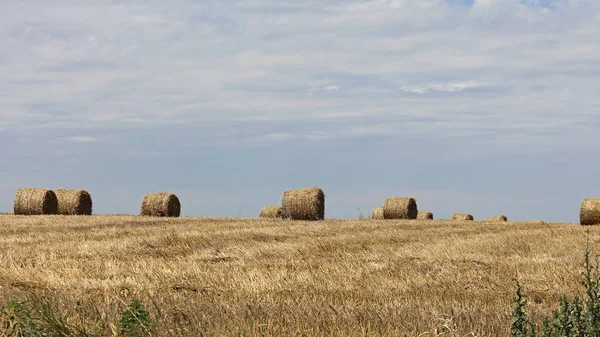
(73, 202)
(263, 277)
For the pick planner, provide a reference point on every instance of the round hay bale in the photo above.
(73, 202)
(400, 208)
(163, 204)
(377, 213)
(535, 222)
(589, 213)
(425, 216)
(272, 212)
(461, 216)
(496, 218)
(35, 201)
(304, 204)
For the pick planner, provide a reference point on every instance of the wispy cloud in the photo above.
(80, 139)
(447, 87)
(138, 66)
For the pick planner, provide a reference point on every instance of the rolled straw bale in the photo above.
(162, 204)
(535, 222)
(589, 213)
(425, 216)
(35, 201)
(400, 208)
(272, 212)
(377, 213)
(501, 217)
(304, 204)
(73, 202)
(461, 216)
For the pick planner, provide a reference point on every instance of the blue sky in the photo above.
(487, 106)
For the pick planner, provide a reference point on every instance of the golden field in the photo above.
(251, 277)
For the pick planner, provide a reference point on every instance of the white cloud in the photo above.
(104, 66)
(80, 139)
(448, 87)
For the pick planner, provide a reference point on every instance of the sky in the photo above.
(472, 106)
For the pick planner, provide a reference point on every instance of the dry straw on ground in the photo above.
(304, 204)
(461, 216)
(425, 216)
(162, 204)
(589, 213)
(377, 213)
(498, 218)
(73, 202)
(272, 212)
(212, 276)
(35, 201)
(400, 208)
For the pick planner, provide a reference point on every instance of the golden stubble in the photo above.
(221, 277)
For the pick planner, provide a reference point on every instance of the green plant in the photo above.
(17, 320)
(135, 320)
(52, 322)
(361, 216)
(573, 318)
(521, 326)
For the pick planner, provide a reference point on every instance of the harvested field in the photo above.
(253, 277)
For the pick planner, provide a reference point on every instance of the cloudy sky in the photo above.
(484, 106)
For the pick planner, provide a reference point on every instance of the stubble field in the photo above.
(251, 277)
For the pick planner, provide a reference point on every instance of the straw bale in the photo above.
(73, 202)
(501, 217)
(163, 204)
(461, 216)
(377, 213)
(304, 204)
(35, 201)
(589, 213)
(272, 212)
(425, 216)
(400, 208)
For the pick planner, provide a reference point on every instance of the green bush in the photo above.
(136, 321)
(17, 320)
(573, 318)
(41, 316)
